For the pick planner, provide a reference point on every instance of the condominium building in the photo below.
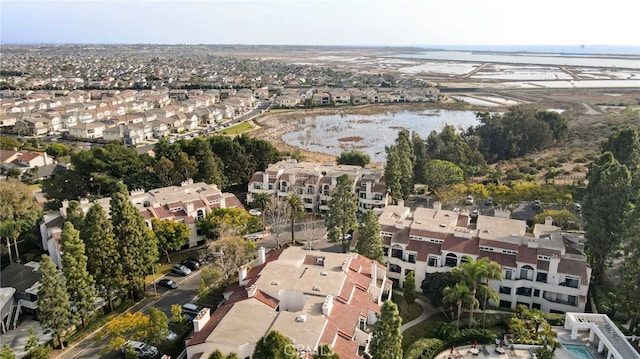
(315, 183)
(185, 203)
(312, 297)
(539, 270)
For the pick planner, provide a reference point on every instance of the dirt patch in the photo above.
(350, 139)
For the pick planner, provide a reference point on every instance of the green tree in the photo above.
(9, 143)
(439, 174)
(237, 168)
(33, 348)
(603, 215)
(473, 272)
(18, 204)
(274, 345)
(369, 242)
(80, 284)
(163, 169)
(410, 288)
(354, 157)
(137, 246)
(184, 167)
(399, 169)
(176, 314)
(295, 208)
(386, 340)
(158, 326)
(459, 295)
(210, 168)
(7, 352)
(324, 351)
(54, 305)
(630, 270)
(74, 214)
(229, 220)
(343, 206)
(102, 250)
(433, 286)
(262, 201)
(420, 151)
(58, 150)
(170, 235)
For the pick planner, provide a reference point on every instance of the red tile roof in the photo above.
(217, 316)
(461, 245)
(574, 267)
(423, 249)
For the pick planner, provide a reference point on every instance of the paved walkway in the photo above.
(427, 311)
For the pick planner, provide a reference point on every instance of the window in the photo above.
(407, 271)
(308, 200)
(283, 186)
(363, 195)
(505, 290)
(572, 300)
(270, 186)
(394, 268)
(541, 277)
(311, 190)
(433, 261)
(451, 260)
(377, 197)
(536, 293)
(524, 291)
(385, 250)
(411, 258)
(571, 282)
(526, 272)
(508, 274)
(257, 186)
(396, 253)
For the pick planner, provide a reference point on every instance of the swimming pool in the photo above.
(579, 351)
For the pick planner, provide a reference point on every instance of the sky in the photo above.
(322, 22)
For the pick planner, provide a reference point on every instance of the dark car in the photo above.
(200, 260)
(193, 265)
(167, 283)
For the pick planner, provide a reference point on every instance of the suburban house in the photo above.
(88, 130)
(25, 160)
(539, 270)
(19, 292)
(311, 297)
(185, 203)
(315, 183)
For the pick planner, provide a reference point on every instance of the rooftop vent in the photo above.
(419, 222)
(324, 274)
(443, 225)
(301, 318)
(316, 288)
(275, 282)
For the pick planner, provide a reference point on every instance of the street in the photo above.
(186, 291)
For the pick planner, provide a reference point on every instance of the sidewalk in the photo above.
(427, 311)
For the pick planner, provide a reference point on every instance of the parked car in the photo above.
(179, 269)
(200, 260)
(577, 207)
(255, 212)
(488, 202)
(190, 310)
(468, 200)
(192, 265)
(171, 335)
(143, 350)
(167, 283)
(536, 204)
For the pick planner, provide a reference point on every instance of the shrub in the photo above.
(423, 348)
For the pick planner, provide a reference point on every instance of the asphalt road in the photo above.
(187, 286)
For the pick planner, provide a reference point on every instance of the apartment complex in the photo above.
(540, 270)
(185, 203)
(315, 183)
(311, 297)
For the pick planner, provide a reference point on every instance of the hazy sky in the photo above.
(323, 22)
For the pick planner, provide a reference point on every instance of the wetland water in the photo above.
(333, 134)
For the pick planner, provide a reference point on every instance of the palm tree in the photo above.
(486, 292)
(460, 295)
(474, 272)
(262, 200)
(295, 207)
(10, 230)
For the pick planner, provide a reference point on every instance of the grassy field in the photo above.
(237, 129)
(408, 312)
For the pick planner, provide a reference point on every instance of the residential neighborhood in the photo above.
(134, 225)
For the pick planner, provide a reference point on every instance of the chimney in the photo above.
(251, 291)
(242, 275)
(345, 265)
(201, 320)
(437, 205)
(374, 273)
(548, 221)
(262, 255)
(327, 305)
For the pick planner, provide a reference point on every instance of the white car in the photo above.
(255, 212)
